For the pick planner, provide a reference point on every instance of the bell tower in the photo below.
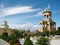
(47, 23)
(47, 14)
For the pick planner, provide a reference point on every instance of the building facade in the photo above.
(47, 24)
(4, 28)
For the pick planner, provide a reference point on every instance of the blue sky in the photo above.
(27, 12)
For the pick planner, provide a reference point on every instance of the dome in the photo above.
(4, 24)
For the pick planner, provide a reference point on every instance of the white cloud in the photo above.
(16, 10)
(29, 16)
(27, 26)
(40, 13)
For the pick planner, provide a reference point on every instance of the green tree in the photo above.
(57, 32)
(4, 36)
(28, 41)
(14, 37)
(42, 41)
(59, 28)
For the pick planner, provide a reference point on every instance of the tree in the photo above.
(14, 37)
(42, 41)
(57, 32)
(58, 28)
(4, 36)
(28, 41)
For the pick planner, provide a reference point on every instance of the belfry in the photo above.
(47, 24)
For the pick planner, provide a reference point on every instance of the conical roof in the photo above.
(47, 10)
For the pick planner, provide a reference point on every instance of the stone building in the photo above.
(4, 24)
(47, 24)
(5, 28)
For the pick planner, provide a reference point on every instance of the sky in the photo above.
(26, 14)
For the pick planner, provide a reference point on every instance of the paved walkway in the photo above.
(2, 42)
(55, 42)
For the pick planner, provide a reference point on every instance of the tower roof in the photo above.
(47, 10)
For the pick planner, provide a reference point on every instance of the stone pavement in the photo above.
(2, 42)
